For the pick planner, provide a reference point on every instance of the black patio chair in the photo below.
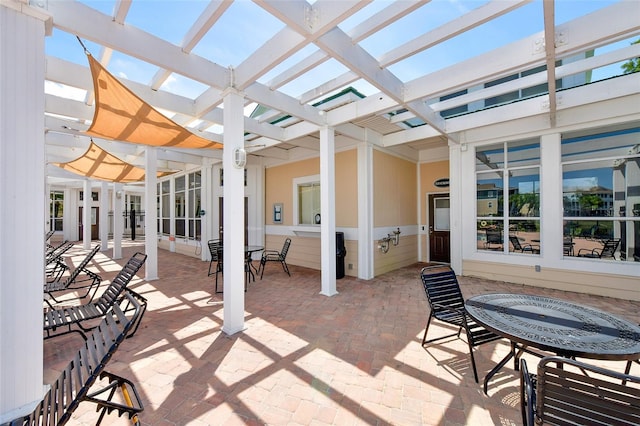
(447, 305)
(494, 236)
(566, 391)
(90, 281)
(276, 256)
(215, 251)
(523, 248)
(608, 249)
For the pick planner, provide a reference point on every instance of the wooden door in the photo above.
(95, 225)
(439, 230)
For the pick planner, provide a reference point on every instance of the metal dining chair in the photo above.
(447, 305)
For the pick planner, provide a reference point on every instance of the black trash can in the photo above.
(341, 252)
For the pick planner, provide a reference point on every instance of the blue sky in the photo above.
(245, 26)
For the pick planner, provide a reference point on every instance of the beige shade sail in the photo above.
(121, 115)
(97, 163)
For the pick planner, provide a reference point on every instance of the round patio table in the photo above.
(553, 325)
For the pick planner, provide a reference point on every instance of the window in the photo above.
(195, 205)
(180, 206)
(306, 198)
(508, 197)
(56, 210)
(601, 194)
(164, 218)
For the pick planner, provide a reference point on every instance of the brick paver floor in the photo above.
(304, 358)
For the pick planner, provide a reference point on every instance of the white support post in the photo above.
(172, 216)
(22, 209)
(151, 213)
(86, 214)
(206, 192)
(233, 192)
(104, 216)
(328, 211)
(551, 223)
(365, 211)
(456, 161)
(118, 220)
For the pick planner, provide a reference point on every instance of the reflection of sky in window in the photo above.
(582, 180)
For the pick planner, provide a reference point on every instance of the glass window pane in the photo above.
(309, 204)
(489, 196)
(180, 204)
(180, 228)
(490, 157)
(523, 153)
(180, 183)
(490, 234)
(441, 221)
(524, 193)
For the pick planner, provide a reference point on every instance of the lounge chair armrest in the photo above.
(587, 251)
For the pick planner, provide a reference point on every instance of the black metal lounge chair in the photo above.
(608, 250)
(276, 256)
(566, 391)
(447, 304)
(55, 265)
(77, 319)
(523, 248)
(75, 383)
(91, 281)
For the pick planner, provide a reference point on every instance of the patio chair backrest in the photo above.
(120, 282)
(569, 391)
(516, 242)
(215, 249)
(494, 236)
(285, 249)
(609, 248)
(443, 290)
(81, 267)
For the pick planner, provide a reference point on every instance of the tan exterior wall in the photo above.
(305, 251)
(429, 173)
(620, 286)
(404, 254)
(279, 187)
(394, 204)
(394, 191)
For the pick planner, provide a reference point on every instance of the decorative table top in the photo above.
(559, 326)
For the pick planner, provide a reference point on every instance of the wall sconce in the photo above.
(118, 194)
(385, 243)
(239, 158)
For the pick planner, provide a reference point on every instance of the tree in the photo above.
(590, 203)
(632, 65)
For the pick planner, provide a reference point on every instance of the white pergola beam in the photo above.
(470, 20)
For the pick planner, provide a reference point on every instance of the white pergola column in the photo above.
(365, 211)
(172, 215)
(551, 223)
(206, 192)
(233, 192)
(86, 214)
(22, 209)
(455, 199)
(151, 213)
(118, 220)
(328, 211)
(104, 216)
